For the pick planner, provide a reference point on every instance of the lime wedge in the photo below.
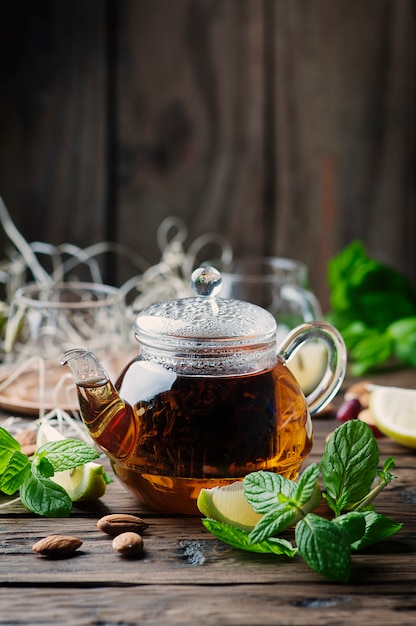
(394, 412)
(47, 433)
(228, 504)
(83, 483)
(86, 482)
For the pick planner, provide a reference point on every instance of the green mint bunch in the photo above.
(374, 307)
(351, 481)
(31, 477)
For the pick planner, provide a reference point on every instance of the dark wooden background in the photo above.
(286, 125)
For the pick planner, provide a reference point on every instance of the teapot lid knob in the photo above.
(206, 281)
(186, 322)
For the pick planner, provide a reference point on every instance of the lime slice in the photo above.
(83, 483)
(228, 504)
(47, 433)
(394, 412)
(86, 482)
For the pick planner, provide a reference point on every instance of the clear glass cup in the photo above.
(46, 319)
(277, 284)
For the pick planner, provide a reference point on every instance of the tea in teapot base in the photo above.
(170, 494)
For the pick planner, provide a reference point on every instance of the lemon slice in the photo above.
(228, 504)
(86, 482)
(394, 412)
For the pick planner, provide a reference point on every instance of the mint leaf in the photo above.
(8, 445)
(403, 333)
(324, 546)
(306, 484)
(15, 473)
(385, 474)
(270, 494)
(403, 328)
(266, 491)
(405, 351)
(373, 349)
(377, 528)
(42, 466)
(282, 500)
(42, 496)
(67, 453)
(14, 465)
(238, 538)
(384, 478)
(349, 464)
(353, 524)
(273, 522)
(7, 442)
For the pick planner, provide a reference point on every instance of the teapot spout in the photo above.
(108, 418)
(85, 366)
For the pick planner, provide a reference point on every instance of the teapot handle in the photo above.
(335, 370)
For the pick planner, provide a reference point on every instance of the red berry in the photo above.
(349, 410)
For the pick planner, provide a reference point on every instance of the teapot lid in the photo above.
(204, 320)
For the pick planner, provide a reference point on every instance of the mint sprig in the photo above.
(351, 482)
(279, 500)
(349, 465)
(31, 477)
(374, 307)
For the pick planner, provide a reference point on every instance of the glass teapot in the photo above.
(208, 399)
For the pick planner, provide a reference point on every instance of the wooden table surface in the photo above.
(186, 576)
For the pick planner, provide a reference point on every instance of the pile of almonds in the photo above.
(123, 528)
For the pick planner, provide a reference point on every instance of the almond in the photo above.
(57, 545)
(120, 523)
(29, 449)
(128, 544)
(26, 437)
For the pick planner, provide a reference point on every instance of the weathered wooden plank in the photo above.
(208, 604)
(53, 114)
(342, 74)
(191, 140)
(192, 559)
